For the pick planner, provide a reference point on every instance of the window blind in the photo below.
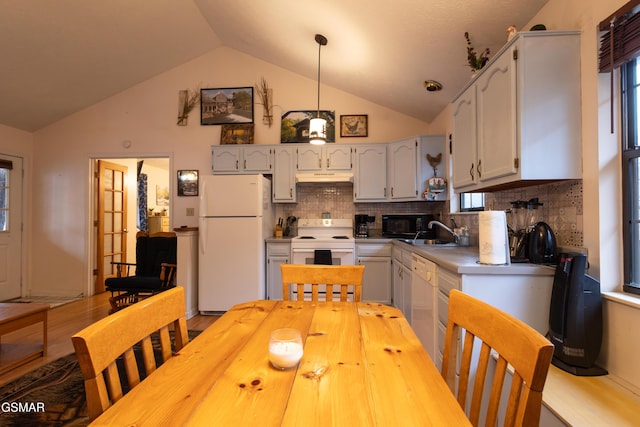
(620, 41)
(6, 164)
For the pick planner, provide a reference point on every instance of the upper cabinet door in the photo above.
(225, 159)
(309, 158)
(403, 170)
(338, 157)
(464, 151)
(497, 121)
(370, 181)
(283, 181)
(257, 159)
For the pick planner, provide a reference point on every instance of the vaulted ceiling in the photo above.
(58, 57)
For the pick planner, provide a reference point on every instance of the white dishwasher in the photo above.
(423, 302)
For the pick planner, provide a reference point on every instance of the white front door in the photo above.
(10, 227)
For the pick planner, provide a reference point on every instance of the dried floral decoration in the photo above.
(189, 101)
(476, 62)
(266, 96)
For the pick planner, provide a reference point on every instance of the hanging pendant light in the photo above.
(318, 126)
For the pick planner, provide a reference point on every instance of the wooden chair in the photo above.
(100, 344)
(342, 276)
(155, 270)
(506, 338)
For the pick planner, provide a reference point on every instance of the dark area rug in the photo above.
(52, 395)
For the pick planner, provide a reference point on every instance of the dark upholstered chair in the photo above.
(155, 270)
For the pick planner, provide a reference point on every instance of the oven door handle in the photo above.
(310, 251)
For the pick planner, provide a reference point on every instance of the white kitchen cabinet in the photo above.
(403, 170)
(376, 282)
(256, 159)
(465, 140)
(517, 121)
(283, 182)
(402, 281)
(277, 254)
(226, 159)
(408, 167)
(370, 180)
(328, 157)
(423, 303)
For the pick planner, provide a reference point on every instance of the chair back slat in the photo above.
(512, 343)
(343, 276)
(100, 344)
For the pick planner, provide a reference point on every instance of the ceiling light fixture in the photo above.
(318, 126)
(432, 85)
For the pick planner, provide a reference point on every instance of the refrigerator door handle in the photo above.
(203, 234)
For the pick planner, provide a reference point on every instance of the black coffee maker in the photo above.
(361, 226)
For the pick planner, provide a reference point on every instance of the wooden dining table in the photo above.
(362, 366)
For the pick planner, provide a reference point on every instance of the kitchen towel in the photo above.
(493, 240)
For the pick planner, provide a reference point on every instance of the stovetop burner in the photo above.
(306, 237)
(340, 237)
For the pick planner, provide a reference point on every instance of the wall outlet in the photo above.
(190, 212)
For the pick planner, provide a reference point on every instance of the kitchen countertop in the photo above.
(457, 259)
(464, 260)
(274, 239)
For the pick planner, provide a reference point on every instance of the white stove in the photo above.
(319, 240)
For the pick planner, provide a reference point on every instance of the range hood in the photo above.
(325, 177)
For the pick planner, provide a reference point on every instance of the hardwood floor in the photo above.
(63, 322)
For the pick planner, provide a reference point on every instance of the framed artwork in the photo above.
(162, 195)
(226, 105)
(294, 125)
(237, 134)
(187, 183)
(354, 125)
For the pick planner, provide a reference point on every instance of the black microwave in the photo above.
(407, 226)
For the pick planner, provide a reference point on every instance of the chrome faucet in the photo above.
(441, 225)
(416, 236)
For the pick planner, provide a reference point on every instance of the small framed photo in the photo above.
(187, 183)
(226, 105)
(354, 125)
(237, 134)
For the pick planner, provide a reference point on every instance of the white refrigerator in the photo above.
(236, 216)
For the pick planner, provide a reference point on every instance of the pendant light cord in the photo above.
(322, 41)
(319, 49)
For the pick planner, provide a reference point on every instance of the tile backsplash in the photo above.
(561, 207)
(337, 199)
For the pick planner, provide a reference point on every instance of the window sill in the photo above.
(589, 401)
(630, 300)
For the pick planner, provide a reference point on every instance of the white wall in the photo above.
(146, 115)
(601, 182)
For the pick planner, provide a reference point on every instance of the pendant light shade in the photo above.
(318, 126)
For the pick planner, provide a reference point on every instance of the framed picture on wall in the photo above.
(187, 183)
(294, 125)
(354, 125)
(237, 134)
(226, 105)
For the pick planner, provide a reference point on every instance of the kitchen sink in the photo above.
(428, 242)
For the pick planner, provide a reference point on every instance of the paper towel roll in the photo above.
(493, 240)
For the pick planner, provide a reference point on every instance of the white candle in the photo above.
(285, 354)
(285, 348)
